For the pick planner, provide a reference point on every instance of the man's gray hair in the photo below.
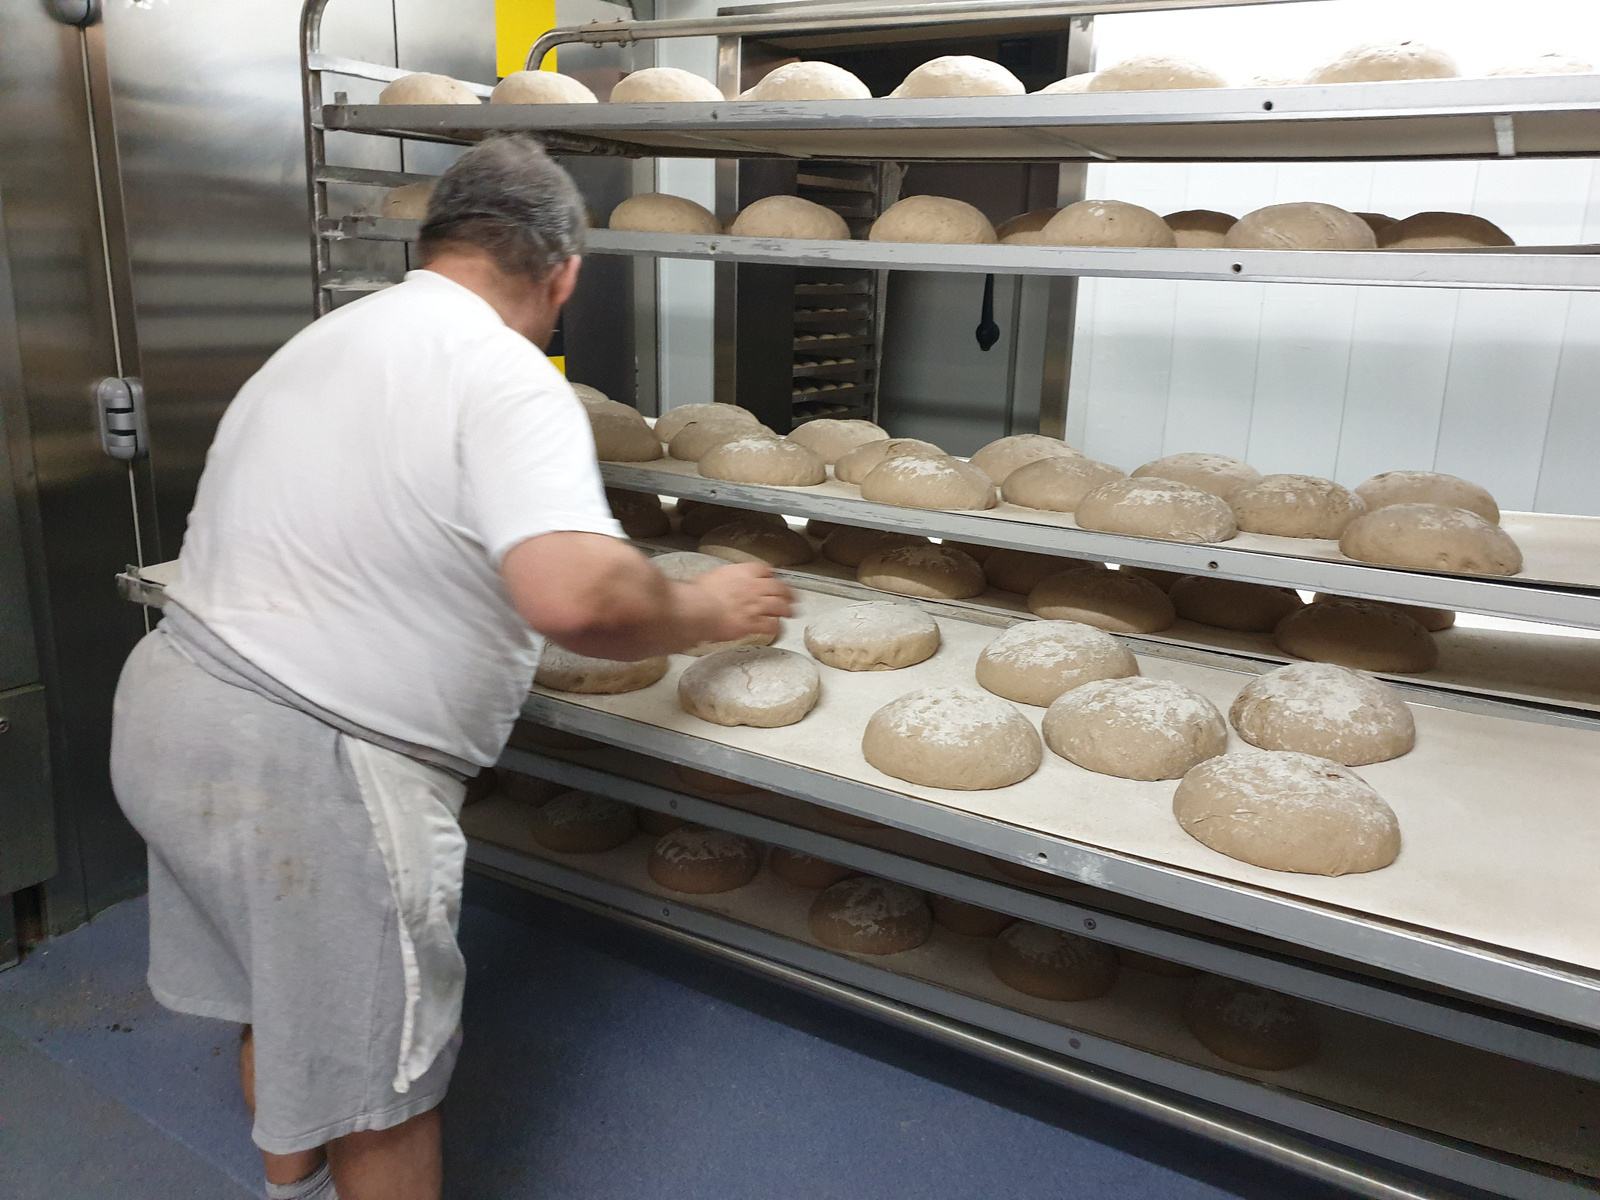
(507, 197)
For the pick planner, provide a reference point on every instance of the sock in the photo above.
(316, 1186)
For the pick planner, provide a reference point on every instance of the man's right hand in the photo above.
(744, 599)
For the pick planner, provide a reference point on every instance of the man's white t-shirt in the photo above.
(361, 492)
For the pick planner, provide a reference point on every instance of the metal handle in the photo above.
(119, 405)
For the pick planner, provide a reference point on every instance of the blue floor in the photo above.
(599, 1064)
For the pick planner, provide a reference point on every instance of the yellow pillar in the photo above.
(517, 25)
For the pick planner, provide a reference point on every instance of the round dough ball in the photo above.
(1354, 633)
(958, 75)
(760, 686)
(789, 217)
(1249, 1025)
(849, 545)
(670, 423)
(657, 212)
(1070, 86)
(1232, 604)
(640, 515)
(1155, 73)
(1301, 226)
(1001, 457)
(407, 203)
(622, 435)
(755, 541)
(664, 85)
(1110, 600)
(1428, 487)
(541, 87)
(1431, 537)
(973, 920)
(1107, 223)
(862, 915)
(583, 823)
(561, 670)
(1434, 620)
(804, 870)
(1151, 965)
(1135, 728)
(952, 737)
(913, 481)
(877, 635)
(1026, 237)
(833, 439)
(933, 219)
(1199, 228)
(423, 88)
(1324, 710)
(808, 81)
(857, 464)
(1154, 507)
(1442, 231)
(693, 440)
(1052, 964)
(1028, 222)
(1037, 662)
(656, 824)
(764, 459)
(1162, 579)
(696, 518)
(717, 785)
(1021, 571)
(1298, 506)
(703, 862)
(1057, 484)
(927, 572)
(1214, 473)
(1547, 64)
(1288, 812)
(1377, 61)
(1377, 222)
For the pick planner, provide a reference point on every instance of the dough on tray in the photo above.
(409, 202)
(1304, 225)
(670, 423)
(1072, 85)
(541, 87)
(857, 464)
(583, 823)
(1433, 620)
(696, 518)
(621, 434)
(1376, 61)
(1036, 662)
(1442, 231)
(1004, 455)
(1028, 222)
(958, 75)
(692, 441)
(1377, 222)
(1356, 633)
(877, 635)
(1135, 728)
(863, 915)
(808, 81)
(849, 545)
(1428, 487)
(1153, 507)
(1155, 73)
(703, 862)
(1232, 604)
(1547, 64)
(425, 88)
(756, 541)
(1051, 963)
(973, 920)
(1325, 710)
(1057, 484)
(764, 459)
(1287, 811)
(1112, 600)
(1431, 537)
(833, 439)
(952, 737)
(805, 870)
(760, 686)
(1299, 506)
(1200, 228)
(1214, 473)
(914, 481)
(657, 85)
(933, 219)
(639, 513)
(563, 671)
(1250, 1026)
(1020, 571)
(657, 212)
(789, 217)
(927, 572)
(1106, 223)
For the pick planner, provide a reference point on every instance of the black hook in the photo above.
(988, 333)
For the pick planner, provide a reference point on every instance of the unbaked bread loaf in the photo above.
(789, 217)
(1233, 604)
(1325, 710)
(691, 442)
(409, 202)
(703, 862)
(658, 85)
(1547, 64)
(808, 81)
(970, 919)
(1442, 231)
(583, 823)
(621, 434)
(833, 439)
(1200, 228)
(1116, 601)
(1135, 728)
(425, 88)
(1214, 473)
(540, 87)
(1057, 484)
(760, 686)
(1249, 1025)
(863, 915)
(1298, 506)
(1428, 487)
(1028, 222)
(640, 514)
(1072, 85)
(670, 423)
(805, 870)
(1021, 571)
(1355, 633)
(952, 737)
(1300, 226)
(857, 464)
(958, 75)
(561, 670)
(1431, 537)
(927, 572)
(1036, 662)
(1153, 73)
(696, 518)
(933, 219)
(1106, 223)
(1377, 61)
(1153, 507)
(756, 541)
(1432, 619)
(1377, 222)
(657, 212)
(849, 545)
(773, 461)
(1052, 964)
(913, 481)
(877, 635)
(1004, 455)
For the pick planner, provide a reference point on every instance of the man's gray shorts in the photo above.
(269, 902)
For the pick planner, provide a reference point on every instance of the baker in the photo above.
(398, 509)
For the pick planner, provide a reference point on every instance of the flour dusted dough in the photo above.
(1199, 228)
(1376, 61)
(692, 441)
(563, 671)
(423, 88)
(621, 434)
(756, 541)
(1547, 64)
(805, 870)
(1431, 537)
(583, 823)
(857, 464)
(764, 459)
(1021, 571)
(933, 219)
(1232, 604)
(685, 566)
(703, 862)
(952, 737)
(927, 572)
(1153, 507)
(1135, 728)
(657, 85)
(540, 87)
(696, 518)
(808, 81)
(640, 515)
(657, 212)
(1325, 710)
(849, 545)
(877, 635)
(1052, 964)
(1432, 619)
(1214, 473)
(1300, 506)
(1037, 662)
(1001, 457)
(1072, 85)
(760, 686)
(1106, 223)
(913, 481)
(1248, 1025)
(1057, 484)
(970, 919)
(1028, 222)
(670, 423)
(408, 202)
(1442, 231)
(1428, 487)
(1302, 225)
(862, 915)
(1155, 73)
(958, 75)
(833, 439)
(789, 217)
(1355, 633)
(1112, 600)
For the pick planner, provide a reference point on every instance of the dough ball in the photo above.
(1037, 662)
(1027, 237)
(1155, 73)
(1547, 64)
(423, 88)
(1354, 633)
(1324, 710)
(1151, 965)
(1199, 228)
(1001, 457)
(657, 212)
(878, 635)
(1249, 1025)
(696, 518)
(1056, 484)
(1301, 226)
(1214, 473)
(1052, 964)
(1154, 507)
(971, 919)
(958, 75)
(1028, 222)
(1442, 231)
(1110, 600)
(640, 515)
(1428, 487)
(754, 541)
(514, 785)
(1434, 620)
(803, 870)
(808, 81)
(764, 459)
(913, 481)
(583, 823)
(703, 862)
(1135, 728)
(927, 572)
(664, 85)
(563, 671)
(849, 545)
(933, 219)
(1107, 223)
(789, 217)
(656, 823)
(760, 686)
(1299, 506)
(1162, 579)
(978, 554)
(670, 423)
(1232, 604)
(717, 785)
(1070, 86)
(952, 737)
(833, 439)
(407, 203)
(1021, 571)
(1377, 222)
(855, 465)
(862, 915)
(1431, 537)
(540, 87)
(622, 435)
(694, 439)
(821, 529)
(1377, 61)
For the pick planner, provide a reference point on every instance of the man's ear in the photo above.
(563, 279)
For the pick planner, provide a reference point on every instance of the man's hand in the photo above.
(745, 598)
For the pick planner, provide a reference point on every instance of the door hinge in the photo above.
(119, 404)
